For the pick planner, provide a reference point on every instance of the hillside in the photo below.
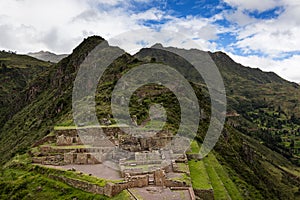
(50, 102)
(267, 105)
(253, 169)
(17, 73)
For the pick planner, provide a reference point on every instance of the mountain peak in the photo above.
(47, 56)
(89, 43)
(157, 46)
(55, 58)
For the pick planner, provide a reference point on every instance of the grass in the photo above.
(69, 174)
(153, 125)
(84, 127)
(183, 167)
(208, 173)
(66, 122)
(69, 147)
(222, 177)
(144, 168)
(183, 178)
(295, 171)
(220, 191)
(22, 184)
(21, 61)
(200, 178)
(23, 162)
(194, 147)
(20, 179)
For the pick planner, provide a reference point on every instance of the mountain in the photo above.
(47, 56)
(254, 150)
(18, 72)
(268, 105)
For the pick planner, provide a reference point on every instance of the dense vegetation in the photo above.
(17, 74)
(267, 104)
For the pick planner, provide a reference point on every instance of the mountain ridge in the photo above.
(47, 56)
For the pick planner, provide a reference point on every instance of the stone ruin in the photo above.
(146, 161)
(93, 145)
(63, 140)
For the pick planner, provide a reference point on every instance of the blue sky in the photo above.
(256, 33)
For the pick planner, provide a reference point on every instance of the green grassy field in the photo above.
(20, 180)
(208, 173)
(221, 182)
(200, 178)
(194, 147)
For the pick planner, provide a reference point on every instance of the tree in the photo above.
(4, 67)
(292, 145)
(295, 119)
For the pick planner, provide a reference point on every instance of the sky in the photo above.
(255, 33)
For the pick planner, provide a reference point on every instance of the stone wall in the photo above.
(49, 160)
(115, 131)
(154, 142)
(110, 189)
(63, 140)
(135, 144)
(45, 150)
(95, 135)
(192, 193)
(159, 178)
(205, 194)
(44, 140)
(83, 185)
(144, 156)
(92, 131)
(195, 156)
(174, 183)
(66, 132)
(83, 158)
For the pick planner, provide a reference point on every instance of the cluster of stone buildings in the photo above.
(92, 145)
(142, 161)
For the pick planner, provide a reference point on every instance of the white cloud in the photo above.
(270, 36)
(193, 27)
(29, 23)
(60, 25)
(259, 5)
(273, 36)
(133, 41)
(151, 14)
(239, 18)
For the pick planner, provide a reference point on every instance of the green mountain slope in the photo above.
(260, 104)
(51, 102)
(17, 72)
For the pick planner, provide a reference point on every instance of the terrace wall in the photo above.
(205, 194)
